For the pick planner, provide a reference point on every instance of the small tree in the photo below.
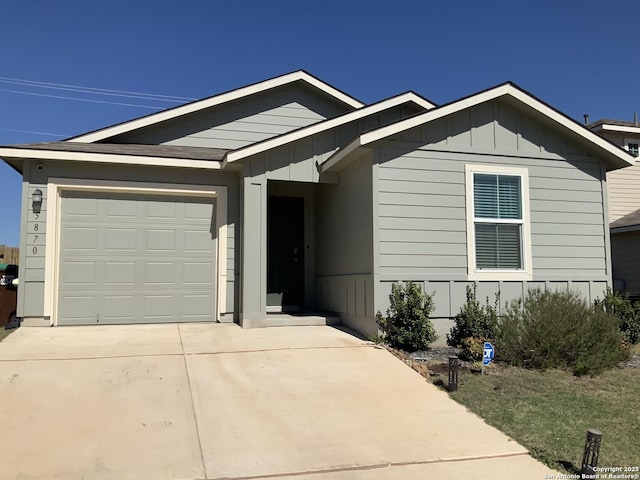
(474, 320)
(407, 325)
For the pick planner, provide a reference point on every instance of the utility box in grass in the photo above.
(8, 293)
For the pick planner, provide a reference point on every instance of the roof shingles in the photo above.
(161, 151)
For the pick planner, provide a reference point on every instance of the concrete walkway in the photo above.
(196, 401)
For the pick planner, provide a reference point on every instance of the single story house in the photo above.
(291, 202)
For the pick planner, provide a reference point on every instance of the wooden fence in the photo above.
(11, 254)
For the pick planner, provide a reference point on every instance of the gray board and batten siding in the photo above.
(344, 246)
(420, 214)
(298, 161)
(348, 292)
(243, 121)
(36, 233)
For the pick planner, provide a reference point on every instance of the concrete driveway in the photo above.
(217, 402)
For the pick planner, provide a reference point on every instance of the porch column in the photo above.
(254, 253)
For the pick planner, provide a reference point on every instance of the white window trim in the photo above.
(526, 273)
(627, 141)
(56, 186)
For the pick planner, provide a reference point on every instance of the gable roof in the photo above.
(616, 156)
(324, 125)
(171, 113)
(628, 223)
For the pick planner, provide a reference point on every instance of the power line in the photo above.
(98, 91)
(35, 133)
(80, 99)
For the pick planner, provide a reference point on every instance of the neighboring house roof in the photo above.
(616, 157)
(628, 223)
(324, 125)
(614, 126)
(166, 155)
(147, 120)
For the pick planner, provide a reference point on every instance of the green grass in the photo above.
(5, 333)
(549, 412)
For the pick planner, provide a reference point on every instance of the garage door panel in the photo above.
(79, 310)
(120, 239)
(119, 273)
(197, 241)
(165, 210)
(118, 308)
(164, 273)
(196, 306)
(78, 273)
(81, 238)
(161, 240)
(81, 206)
(197, 211)
(198, 273)
(159, 306)
(136, 259)
(121, 208)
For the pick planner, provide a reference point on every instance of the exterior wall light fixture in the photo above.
(36, 200)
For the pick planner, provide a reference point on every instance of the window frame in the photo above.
(525, 273)
(627, 144)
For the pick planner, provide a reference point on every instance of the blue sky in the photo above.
(581, 56)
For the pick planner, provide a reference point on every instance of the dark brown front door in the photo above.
(285, 253)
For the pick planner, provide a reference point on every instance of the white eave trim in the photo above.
(617, 128)
(340, 155)
(488, 95)
(217, 100)
(326, 125)
(109, 158)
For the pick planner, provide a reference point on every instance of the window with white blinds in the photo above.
(497, 202)
(498, 230)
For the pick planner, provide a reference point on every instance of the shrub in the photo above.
(407, 325)
(473, 349)
(627, 313)
(559, 330)
(474, 320)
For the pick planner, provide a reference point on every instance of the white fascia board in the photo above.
(620, 128)
(340, 154)
(245, 152)
(502, 90)
(216, 100)
(325, 87)
(109, 158)
(431, 115)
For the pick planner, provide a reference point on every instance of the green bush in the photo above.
(407, 325)
(474, 320)
(559, 330)
(627, 313)
(472, 349)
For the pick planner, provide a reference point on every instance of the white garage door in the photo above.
(127, 258)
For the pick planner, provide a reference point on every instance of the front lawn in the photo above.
(549, 412)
